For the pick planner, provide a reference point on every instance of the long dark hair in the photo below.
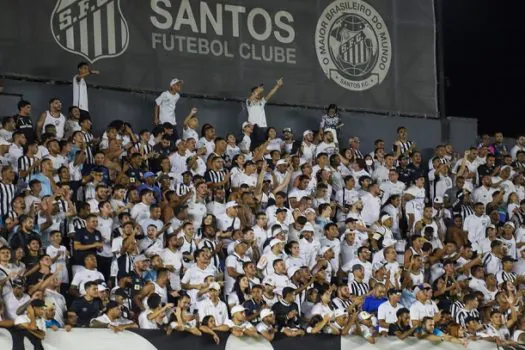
(238, 291)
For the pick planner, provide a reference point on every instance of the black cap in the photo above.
(180, 209)
(111, 305)
(38, 303)
(281, 210)
(392, 291)
(122, 292)
(18, 282)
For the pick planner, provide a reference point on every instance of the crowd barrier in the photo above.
(102, 339)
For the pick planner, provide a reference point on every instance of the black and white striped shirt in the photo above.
(455, 308)
(358, 154)
(359, 288)
(181, 189)
(463, 314)
(24, 163)
(404, 147)
(342, 304)
(503, 276)
(214, 176)
(7, 195)
(88, 139)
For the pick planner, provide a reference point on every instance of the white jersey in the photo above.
(256, 112)
(80, 96)
(59, 124)
(167, 103)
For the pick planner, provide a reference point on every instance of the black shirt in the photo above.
(415, 172)
(395, 327)
(86, 310)
(85, 237)
(36, 277)
(281, 311)
(25, 125)
(135, 175)
(485, 170)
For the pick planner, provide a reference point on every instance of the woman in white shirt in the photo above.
(322, 307)
(231, 146)
(274, 143)
(240, 292)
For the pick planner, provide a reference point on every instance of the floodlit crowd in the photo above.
(258, 232)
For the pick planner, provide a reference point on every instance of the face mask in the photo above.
(369, 162)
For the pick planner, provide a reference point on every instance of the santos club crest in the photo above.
(93, 29)
(353, 45)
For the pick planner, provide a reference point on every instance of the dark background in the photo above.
(484, 46)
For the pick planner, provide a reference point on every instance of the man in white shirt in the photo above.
(381, 172)
(476, 225)
(165, 104)
(256, 113)
(386, 313)
(392, 186)
(140, 211)
(483, 194)
(87, 273)
(31, 325)
(80, 95)
(520, 146)
(213, 306)
(423, 306)
(371, 205)
(16, 150)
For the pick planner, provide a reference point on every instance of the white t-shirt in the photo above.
(256, 113)
(84, 275)
(39, 322)
(167, 103)
(80, 95)
(387, 312)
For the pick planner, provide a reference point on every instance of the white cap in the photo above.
(268, 280)
(385, 218)
(292, 270)
(176, 81)
(510, 223)
(215, 286)
(438, 200)
(325, 249)
(281, 162)
(245, 124)
(265, 313)
(274, 242)
(277, 231)
(308, 228)
(309, 210)
(307, 132)
(363, 315)
(231, 204)
(237, 308)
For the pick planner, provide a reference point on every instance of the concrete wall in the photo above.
(107, 105)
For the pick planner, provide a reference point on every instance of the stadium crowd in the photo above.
(256, 233)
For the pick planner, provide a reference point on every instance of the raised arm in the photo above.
(272, 92)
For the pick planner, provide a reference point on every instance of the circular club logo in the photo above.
(353, 45)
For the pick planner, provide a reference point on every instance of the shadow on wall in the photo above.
(226, 116)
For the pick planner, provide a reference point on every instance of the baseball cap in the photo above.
(277, 231)
(38, 303)
(281, 162)
(438, 200)
(325, 249)
(102, 287)
(363, 315)
(393, 291)
(214, 286)
(377, 265)
(420, 288)
(510, 223)
(307, 132)
(292, 270)
(111, 305)
(148, 175)
(237, 308)
(18, 282)
(140, 258)
(281, 210)
(508, 259)
(122, 292)
(231, 204)
(176, 81)
(265, 313)
(357, 267)
(308, 227)
(309, 210)
(269, 281)
(385, 218)
(287, 130)
(245, 124)
(274, 242)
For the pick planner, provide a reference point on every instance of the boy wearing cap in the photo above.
(30, 325)
(165, 104)
(266, 327)
(238, 324)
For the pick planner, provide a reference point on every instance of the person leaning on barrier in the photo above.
(428, 331)
(401, 328)
(238, 324)
(112, 318)
(30, 325)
